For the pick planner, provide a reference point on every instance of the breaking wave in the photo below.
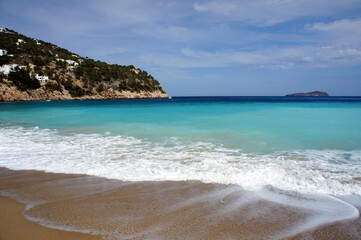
(126, 158)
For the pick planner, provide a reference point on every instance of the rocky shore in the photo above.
(9, 94)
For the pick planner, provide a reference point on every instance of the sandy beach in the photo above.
(189, 120)
(112, 209)
(14, 226)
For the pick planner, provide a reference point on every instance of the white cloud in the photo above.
(217, 7)
(344, 25)
(188, 52)
(207, 33)
(271, 12)
(139, 12)
(174, 33)
(339, 41)
(345, 31)
(126, 12)
(274, 58)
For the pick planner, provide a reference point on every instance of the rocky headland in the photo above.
(34, 70)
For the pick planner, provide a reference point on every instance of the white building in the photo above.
(19, 41)
(136, 70)
(37, 41)
(3, 52)
(42, 79)
(4, 30)
(71, 62)
(6, 69)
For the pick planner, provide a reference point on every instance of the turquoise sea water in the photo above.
(304, 144)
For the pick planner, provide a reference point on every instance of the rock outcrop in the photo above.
(310, 94)
(11, 93)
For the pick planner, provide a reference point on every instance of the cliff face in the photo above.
(33, 70)
(9, 94)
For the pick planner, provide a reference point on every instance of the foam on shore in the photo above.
(125, 158)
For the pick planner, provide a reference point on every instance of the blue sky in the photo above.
(229, 47)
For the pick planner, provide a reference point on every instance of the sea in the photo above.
(309, 146)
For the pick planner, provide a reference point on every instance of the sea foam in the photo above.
(130, 159)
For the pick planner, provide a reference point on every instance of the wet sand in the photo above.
(14, 226)
(114, 209)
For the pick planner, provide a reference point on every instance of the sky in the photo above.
(209, 48)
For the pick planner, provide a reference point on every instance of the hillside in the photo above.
(32, 69)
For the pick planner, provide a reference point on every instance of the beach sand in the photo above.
(14, 226)
(113, 209)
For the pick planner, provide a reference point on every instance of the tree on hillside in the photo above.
(22, 80)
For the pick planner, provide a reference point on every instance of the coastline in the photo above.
(133, 210)
(11, 94)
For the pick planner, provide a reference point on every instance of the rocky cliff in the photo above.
(32, 70)
(11, 93)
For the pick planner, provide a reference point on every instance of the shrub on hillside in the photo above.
(4, 60)
(75, 91)
(22, 79)
(53, 86)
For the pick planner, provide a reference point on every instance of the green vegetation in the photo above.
(4, 60)
(91, 76)
(54, 86)
(100, 88)
(22, 80)
(75, 91)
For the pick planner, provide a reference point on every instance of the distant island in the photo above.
(33, 70)
(310, 94)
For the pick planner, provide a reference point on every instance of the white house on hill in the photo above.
(3, 52)
(4, 30)
(71, 62)
(37, 41)
(6, 69)
(19, 41)
(42, 79)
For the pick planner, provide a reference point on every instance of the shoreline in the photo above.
(83, 99)
(13, 94)
(66, 100)
(188, 209)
